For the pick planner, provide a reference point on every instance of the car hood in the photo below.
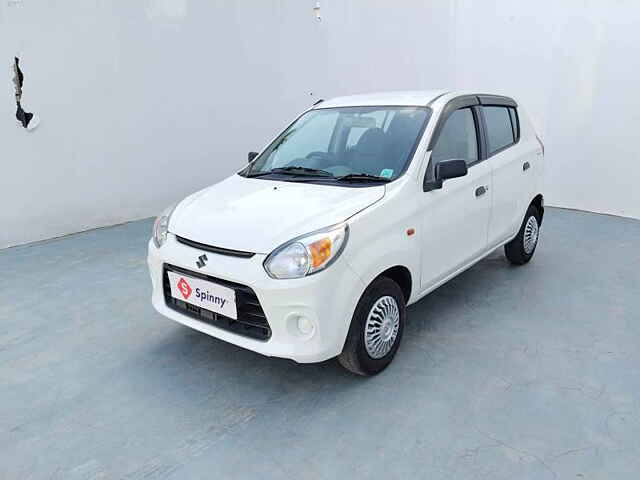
(258, 215)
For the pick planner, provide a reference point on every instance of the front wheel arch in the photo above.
(355, 356)
(402, 276)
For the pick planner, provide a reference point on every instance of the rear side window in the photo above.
(500, 130)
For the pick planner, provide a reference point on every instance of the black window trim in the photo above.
(452, 105)
(479, 143)
(458, 103)
(480, 151)
(516, 126)
(482, 138)
(475, 102)
(496, 101)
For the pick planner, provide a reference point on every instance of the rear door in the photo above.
(510, 165)
(455, 215)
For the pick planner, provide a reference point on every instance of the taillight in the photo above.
(540, 142)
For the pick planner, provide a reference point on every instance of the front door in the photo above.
(455, 218)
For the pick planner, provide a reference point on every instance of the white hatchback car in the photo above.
(362, 206)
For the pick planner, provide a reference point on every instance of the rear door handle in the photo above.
(525, 166)
(481, 190)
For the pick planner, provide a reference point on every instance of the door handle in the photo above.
(525, 166)
(481, 190)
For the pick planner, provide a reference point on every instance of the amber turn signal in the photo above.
(320, 251)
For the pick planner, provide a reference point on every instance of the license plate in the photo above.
(203, 293)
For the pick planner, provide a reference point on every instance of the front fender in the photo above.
(377, 244)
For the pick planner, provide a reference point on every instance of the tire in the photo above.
(385, 296)
(520, 250)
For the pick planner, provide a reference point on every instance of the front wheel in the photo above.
(520, 250)
(376, 328)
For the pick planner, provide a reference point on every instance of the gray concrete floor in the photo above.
(504, 373)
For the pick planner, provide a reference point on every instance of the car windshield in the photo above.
(362, 144)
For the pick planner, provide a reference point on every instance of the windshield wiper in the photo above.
(363, 177)
(295, 171)
(298, 170)
(257, 174)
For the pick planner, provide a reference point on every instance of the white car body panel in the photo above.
(408, 98)
(514, 187)
(281, 300)
(255, 215)
(454, 224)
(451, 227)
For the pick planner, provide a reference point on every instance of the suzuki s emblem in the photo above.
(202, 261)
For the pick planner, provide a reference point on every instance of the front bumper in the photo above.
(328, 299)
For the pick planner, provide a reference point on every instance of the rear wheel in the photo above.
(520, 250)
(376, 328)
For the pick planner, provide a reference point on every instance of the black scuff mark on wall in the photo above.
(18, 80)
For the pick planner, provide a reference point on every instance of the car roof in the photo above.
(401, 98)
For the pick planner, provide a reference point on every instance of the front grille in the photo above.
(251, 321)
(211, 248)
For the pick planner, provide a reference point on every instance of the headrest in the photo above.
(371, 140)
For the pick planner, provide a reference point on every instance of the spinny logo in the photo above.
(184, 288)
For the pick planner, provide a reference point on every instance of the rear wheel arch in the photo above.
(538, 202)
(522, 247)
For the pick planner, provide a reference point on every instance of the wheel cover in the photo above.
(381, 329)
(531, 233)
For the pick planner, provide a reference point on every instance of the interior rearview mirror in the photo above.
(451, 169)
(251, 156)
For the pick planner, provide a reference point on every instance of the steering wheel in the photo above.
(323, 155)
(318, 159)
(321, 159)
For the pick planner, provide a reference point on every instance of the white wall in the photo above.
(142, 102)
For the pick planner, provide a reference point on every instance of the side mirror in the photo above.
(251, 156)
(444, 170)
(451, 169)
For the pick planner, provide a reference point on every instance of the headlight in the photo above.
(307, 254)
(161, 227)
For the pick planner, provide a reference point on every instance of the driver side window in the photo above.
(458, 138)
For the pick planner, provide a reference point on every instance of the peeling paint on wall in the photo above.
(26, 119)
